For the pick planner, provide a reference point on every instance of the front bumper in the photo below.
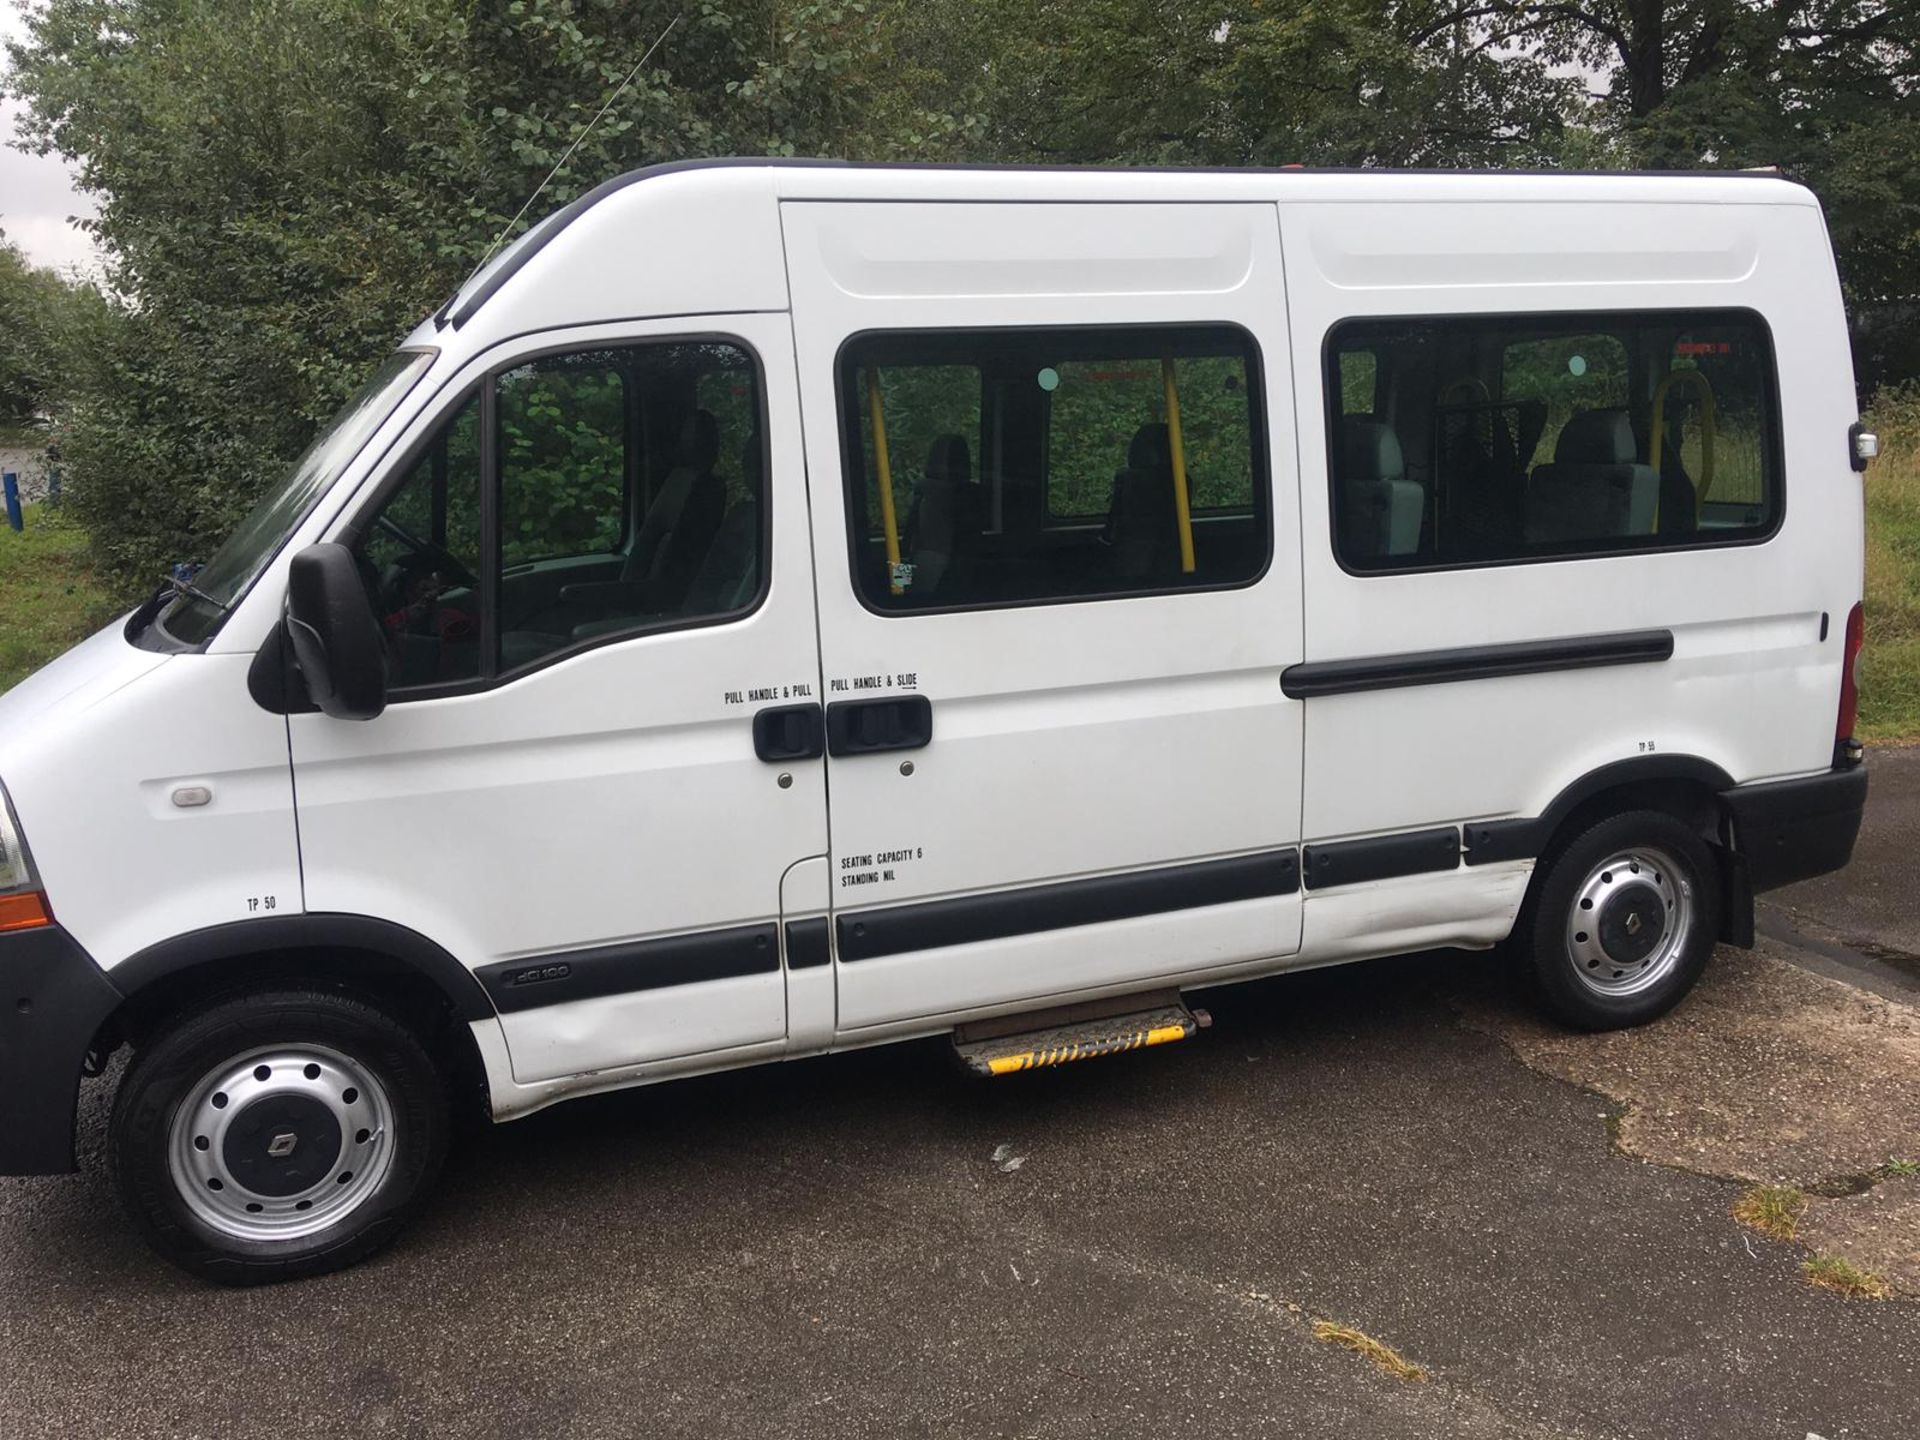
(53, 1000)
(1796, 829)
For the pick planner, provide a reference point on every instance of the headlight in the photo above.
(22, 905)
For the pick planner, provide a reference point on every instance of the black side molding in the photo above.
(869, 934)
(1474, 662)
(807, 943)
(620, 969)
(1381, 857)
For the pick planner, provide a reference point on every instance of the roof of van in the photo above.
(816, 179)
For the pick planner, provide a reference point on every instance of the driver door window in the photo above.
(626, 487)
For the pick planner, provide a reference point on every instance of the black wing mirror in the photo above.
(335, 636)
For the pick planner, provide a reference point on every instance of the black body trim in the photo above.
(1791, 830)
(807, 945)
(1381, 857)
(1474, 662)
(621, 969)
(53, 1003)
(1490, 840)
(289, 934)
(869, 934)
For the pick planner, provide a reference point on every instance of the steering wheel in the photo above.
(442, 559)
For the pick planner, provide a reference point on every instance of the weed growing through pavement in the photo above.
(1772, 1210)
(1361, 1343)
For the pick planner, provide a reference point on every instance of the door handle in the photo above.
(860, 727)
(789, 732)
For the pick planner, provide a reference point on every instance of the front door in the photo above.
(1051, 457)
(592, 568)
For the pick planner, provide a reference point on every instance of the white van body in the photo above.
(1336, 756)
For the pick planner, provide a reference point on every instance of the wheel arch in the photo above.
(428, 987)
(1688, 787)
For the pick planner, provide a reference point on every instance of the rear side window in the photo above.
(1030, 466)
(1490, 440)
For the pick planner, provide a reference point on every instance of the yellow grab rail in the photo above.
(1182, 507)
(883, 462)
(1708, 423)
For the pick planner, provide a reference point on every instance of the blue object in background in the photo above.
(11, 482)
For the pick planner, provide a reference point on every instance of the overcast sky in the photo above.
(36, 194)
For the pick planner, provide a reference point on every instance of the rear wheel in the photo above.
(277, 1134)
(1623, 922)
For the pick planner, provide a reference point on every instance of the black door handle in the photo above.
(860, 727)
(789, 732)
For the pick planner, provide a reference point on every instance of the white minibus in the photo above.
(775, 608)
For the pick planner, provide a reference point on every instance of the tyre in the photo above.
(1623, 920)
(278, 1134)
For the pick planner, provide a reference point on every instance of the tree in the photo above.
(1242, 82)
(287, 186)
(39, 313)
(1828, 89)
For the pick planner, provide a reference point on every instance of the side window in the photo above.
(1500, 439)
(628, 487)
(1021, 467)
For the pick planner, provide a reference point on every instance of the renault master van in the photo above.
(779, 608)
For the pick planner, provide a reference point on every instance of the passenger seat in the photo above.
(1143, 525)
(1381, 511)
(948, 511)
(1595, 488)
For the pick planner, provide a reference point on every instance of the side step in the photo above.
(1057, 1037)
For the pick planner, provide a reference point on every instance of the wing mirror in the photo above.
(335, 636)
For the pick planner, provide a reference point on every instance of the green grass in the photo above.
(49, 598)
(1890, 665)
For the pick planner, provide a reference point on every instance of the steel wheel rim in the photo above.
(280, 1143)
(1630, 921)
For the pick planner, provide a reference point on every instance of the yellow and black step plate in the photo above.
(1085, 1040)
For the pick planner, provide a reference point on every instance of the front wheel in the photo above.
(1623, 921)
(277, 1134)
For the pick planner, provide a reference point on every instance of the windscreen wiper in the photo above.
(176, 586)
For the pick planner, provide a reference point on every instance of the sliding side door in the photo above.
(1050, 455)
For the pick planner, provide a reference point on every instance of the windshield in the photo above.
(192, 617)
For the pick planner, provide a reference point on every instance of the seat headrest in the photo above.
(1369, 450)
(1150, 449)
(949, 461)
(1596, 437)
(699, 442)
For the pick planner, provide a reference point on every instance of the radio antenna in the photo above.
(560, 164)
